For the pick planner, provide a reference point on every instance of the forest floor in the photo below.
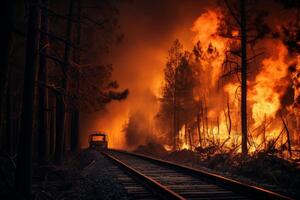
(261, 169)
(86, 176)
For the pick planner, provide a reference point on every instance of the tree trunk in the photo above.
(61, 103)
(203, 124)
(75, 113)
(5, 48)
(74, 131)
(186, 134)
(10, 139)
(175, 114)
(24, 162)
(177, 121)
(206, 116)
(198, 126)
(229, 118)
(190, 139)
(60, 122)
(53, 126)
(67, 132)
(174, 125)
(218, 130)
(287, 135)
(43, 119)
(244, 78)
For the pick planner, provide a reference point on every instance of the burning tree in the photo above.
(243, 29)
(177, 102)
(289, 33)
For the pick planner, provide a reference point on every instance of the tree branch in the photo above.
(232, 13)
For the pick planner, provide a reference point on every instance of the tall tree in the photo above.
(244, 26)
(169, 99)
(43, 114)
(75, 110)
(61, 101)
(177, 102)
(244, 123)
(7, 7)
(24, 163)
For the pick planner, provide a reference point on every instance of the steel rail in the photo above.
(158, 189)
(253, 192)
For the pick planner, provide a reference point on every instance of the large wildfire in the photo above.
(265, 89)
(272, 95)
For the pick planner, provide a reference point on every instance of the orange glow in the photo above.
(267, 83)
(265, 97)
(265, 90)
(235, 33)
(98, 138)
(213, 46)
(183, 140)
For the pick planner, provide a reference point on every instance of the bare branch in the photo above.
(57, 60)
(232, 13)
(98, 23)
(255, 56)
(231, 72)
(52, 36)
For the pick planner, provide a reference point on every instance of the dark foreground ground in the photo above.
(86, 176)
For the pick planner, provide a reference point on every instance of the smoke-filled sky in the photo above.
(149, 28)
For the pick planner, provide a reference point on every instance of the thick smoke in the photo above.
(149, 28)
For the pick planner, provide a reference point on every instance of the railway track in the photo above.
(150, 178)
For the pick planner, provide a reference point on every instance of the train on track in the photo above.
(98, 140)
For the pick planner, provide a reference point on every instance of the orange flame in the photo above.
(265, 89)
(213, 46)
(265, 97)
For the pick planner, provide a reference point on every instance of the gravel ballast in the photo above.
(84, 177)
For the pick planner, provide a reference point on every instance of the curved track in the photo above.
(166, 180)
